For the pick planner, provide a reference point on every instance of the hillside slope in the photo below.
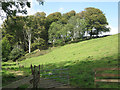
(93, 49)
(80, 58)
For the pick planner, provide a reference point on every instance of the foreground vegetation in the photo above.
(81, 58)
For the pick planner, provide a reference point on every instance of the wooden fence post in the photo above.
(39, 74)
(41, 68)
(68, 77)
(32, 69)
(95, 78)
(34, 77)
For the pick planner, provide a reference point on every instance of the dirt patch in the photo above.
(47, 83)
(17, 73)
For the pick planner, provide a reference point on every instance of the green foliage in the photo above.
(40, 14)
(78, 27)
(6, 48)
(19, 7)
(37, 31)
(11, 72)
(39, 44)
(54, 31)
(16, 53)
(58, 42)
(54, 17)
(69, 14)
(95, 19)
(13, 30)
(7, 76)
(59, 31)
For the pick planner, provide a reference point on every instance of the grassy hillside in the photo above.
(94, 49)
(81, 58)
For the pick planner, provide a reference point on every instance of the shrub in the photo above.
(39, 44)
(16, 53)
(6, 47)
(59, 42)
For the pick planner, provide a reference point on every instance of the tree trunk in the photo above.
(79, 35)
(64, 40)
(97, 34)
(29, 46)
(91, 34)
(29, 39)
(72, 39)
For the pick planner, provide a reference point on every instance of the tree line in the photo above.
(23, 34)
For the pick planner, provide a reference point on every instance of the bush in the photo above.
(16, 53)
(39, 44)
(59, 42)
(6, 47)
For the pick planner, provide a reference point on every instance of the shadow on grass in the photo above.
(17, 74)
(82, 72)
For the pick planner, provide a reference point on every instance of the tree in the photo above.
(80, 15)
(39, 43)
(53, 17)
(16, 53)
(69, 14)
(54, 31)
(67, 32)
(24, 30)
(40, 32)
(19, 7)
(40, 26)
(78, 27)
(28, 27)
(66, 16)
(13, 30)
(95, 19)
(35, 31)
(40, 14)
(6, 48)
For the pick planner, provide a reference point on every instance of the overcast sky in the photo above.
(109, 8)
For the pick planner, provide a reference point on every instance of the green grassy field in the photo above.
(95, 49)
(81, 58)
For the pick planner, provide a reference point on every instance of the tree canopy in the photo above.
(13, 7)
(27, 33)
(95, 19)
